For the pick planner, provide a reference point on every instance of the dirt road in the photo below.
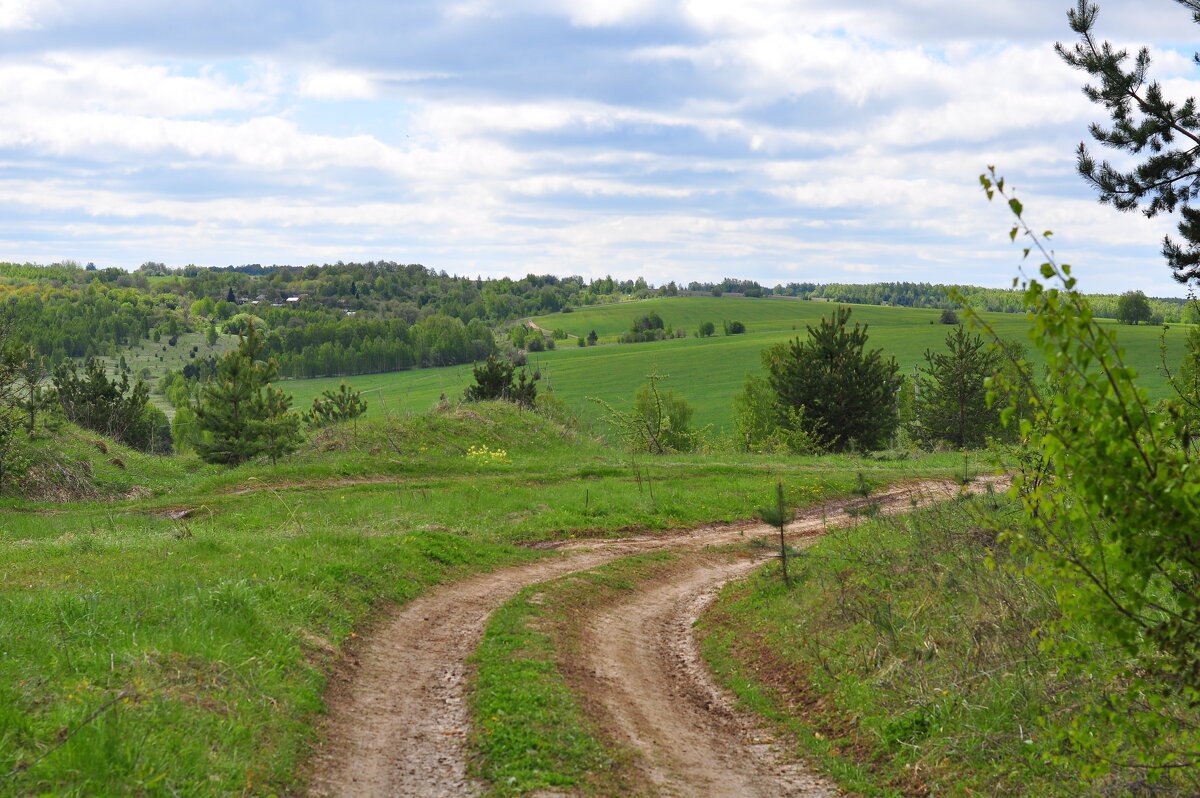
(659, 699)
(398, 717)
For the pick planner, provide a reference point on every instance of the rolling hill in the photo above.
(708, 371)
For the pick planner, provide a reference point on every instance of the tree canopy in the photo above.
(1164, 135)
(240, 414)
(846, 393)
(1133, 308)
(494, 379)
(952, 404)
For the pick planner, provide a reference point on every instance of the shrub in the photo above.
(494, 380)
(658, 422)
(334, 406)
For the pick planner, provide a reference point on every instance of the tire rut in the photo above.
(658, 697)
(398, 718)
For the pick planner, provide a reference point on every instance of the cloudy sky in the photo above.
(777, 140)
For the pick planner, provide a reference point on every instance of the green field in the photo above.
(710, 371)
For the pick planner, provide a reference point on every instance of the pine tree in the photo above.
(332, 406)
(1144, 124)
(110, 407)
(494, 380)
(844, 392)
(952, 402)
(278, 429)
(33, 373)
(239, 414)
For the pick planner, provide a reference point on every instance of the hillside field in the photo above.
(708, 371)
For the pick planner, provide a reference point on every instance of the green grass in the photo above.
(220, 628)
(707, 372)
(74, 464)
(530, 730)
(759, 315)
(904, 663)
(216, 636)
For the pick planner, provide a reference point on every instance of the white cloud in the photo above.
(24, 14)
(776, 135)
(59, 82)
(338, 85)
(601, 13)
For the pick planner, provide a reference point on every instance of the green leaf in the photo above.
(1016, 206)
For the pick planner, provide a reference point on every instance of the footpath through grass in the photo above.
(145, 651)
(906, 664)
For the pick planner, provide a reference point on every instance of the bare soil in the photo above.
(656, 695)
(397, 711)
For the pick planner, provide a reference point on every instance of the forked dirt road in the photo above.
(398, 717)
(658, 698)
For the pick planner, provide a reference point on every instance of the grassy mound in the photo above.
(70, 464)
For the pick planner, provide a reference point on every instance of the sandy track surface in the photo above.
(659, 699)
(398, 718)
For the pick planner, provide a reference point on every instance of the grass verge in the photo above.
(140, 661)
(905, 660)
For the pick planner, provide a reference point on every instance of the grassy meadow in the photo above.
(169, 627)
(708, 372)
(176, 637)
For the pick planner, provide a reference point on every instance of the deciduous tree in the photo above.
(1132, 308)
(10, 397)
(658, 422)
(1111, 503)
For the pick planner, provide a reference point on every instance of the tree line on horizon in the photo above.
(346, 319)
